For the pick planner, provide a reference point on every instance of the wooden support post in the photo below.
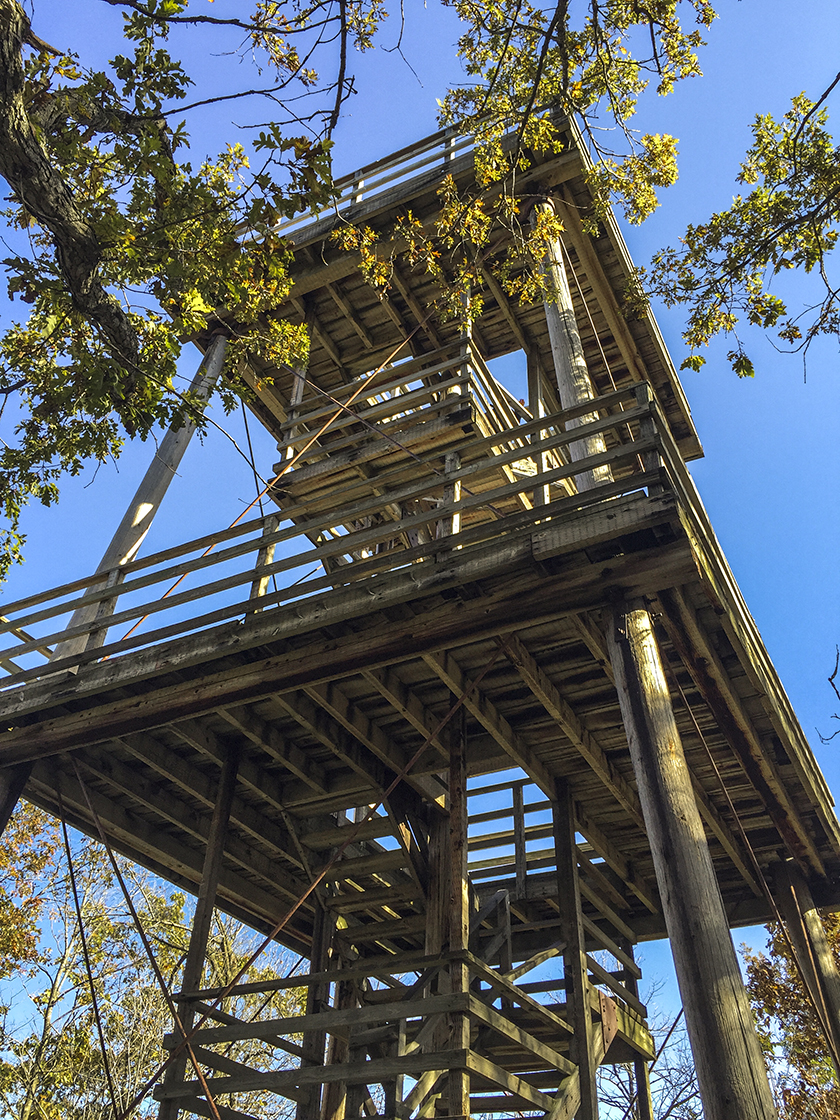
(520, 855)
(450, 523)
(573, 381)
(138, 518)
(284, 447)
(265, 556)
(536, 403)
(459, 916)
(12, 782)
(813, 953)
(335, 1092)
(574, 954)
(730, 1068)
(202, 919)
(641, 1072)
(317, 1000)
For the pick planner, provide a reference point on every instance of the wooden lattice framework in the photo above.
(410, 677)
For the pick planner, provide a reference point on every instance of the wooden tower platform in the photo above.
(405, 723)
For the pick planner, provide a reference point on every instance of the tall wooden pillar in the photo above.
(813, 953)
(194, 964)
(730, 1068)
(575, 969)
(317, 1000)
(459, 915)
(573, 381)
(12, 781)
(137, 520)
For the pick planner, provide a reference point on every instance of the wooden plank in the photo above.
(517, 995)
(615, 950)
(490, 1017)
(535, 961)
(512, 1084)
(333, 1021)
(602, 976)
(373, 1071)
(484, 710)
(381, 967)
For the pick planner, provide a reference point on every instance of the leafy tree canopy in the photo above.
(51, 1058)
(789, 1030)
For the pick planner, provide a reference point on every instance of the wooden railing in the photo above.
(360, 533)
(430, 158)
(397, 1012)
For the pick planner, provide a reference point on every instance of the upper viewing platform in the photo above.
(352, 330)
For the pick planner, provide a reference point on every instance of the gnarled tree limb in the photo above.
(41, 190)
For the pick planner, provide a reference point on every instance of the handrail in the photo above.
(370, 181)
(361, 536)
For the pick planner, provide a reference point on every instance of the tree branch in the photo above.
(37, 185)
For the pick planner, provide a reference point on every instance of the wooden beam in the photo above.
(13, 780)
(507, 313)
(573, 380)
(350, 315)
(302, 708)
(730, 1067)
(572, 727)
(812, 952)
(459, 918)
(150, 844)
(490, 718)
(575, 968)
(333, 700)
(273, 743)
(607, 303)
(415, 307)
(499, 611)
(409, 706)
(202, 920)
(170, 809)
(196, 784)
(712, 681)
(313, 324)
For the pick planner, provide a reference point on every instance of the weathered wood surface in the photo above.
(730, 1067)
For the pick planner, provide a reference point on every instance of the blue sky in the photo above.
(770, 475)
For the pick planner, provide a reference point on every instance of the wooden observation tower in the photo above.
(477, 708)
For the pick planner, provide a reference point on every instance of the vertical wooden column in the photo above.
(730, 1068)
(450, 523)
(574, 954)
(317, 999)
(536, 404)
(141, 511)
(813, 953)
(573, 381)
(641, 1071)
(459, 917)
(194, 964)
(12, 782)
(284, 447)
